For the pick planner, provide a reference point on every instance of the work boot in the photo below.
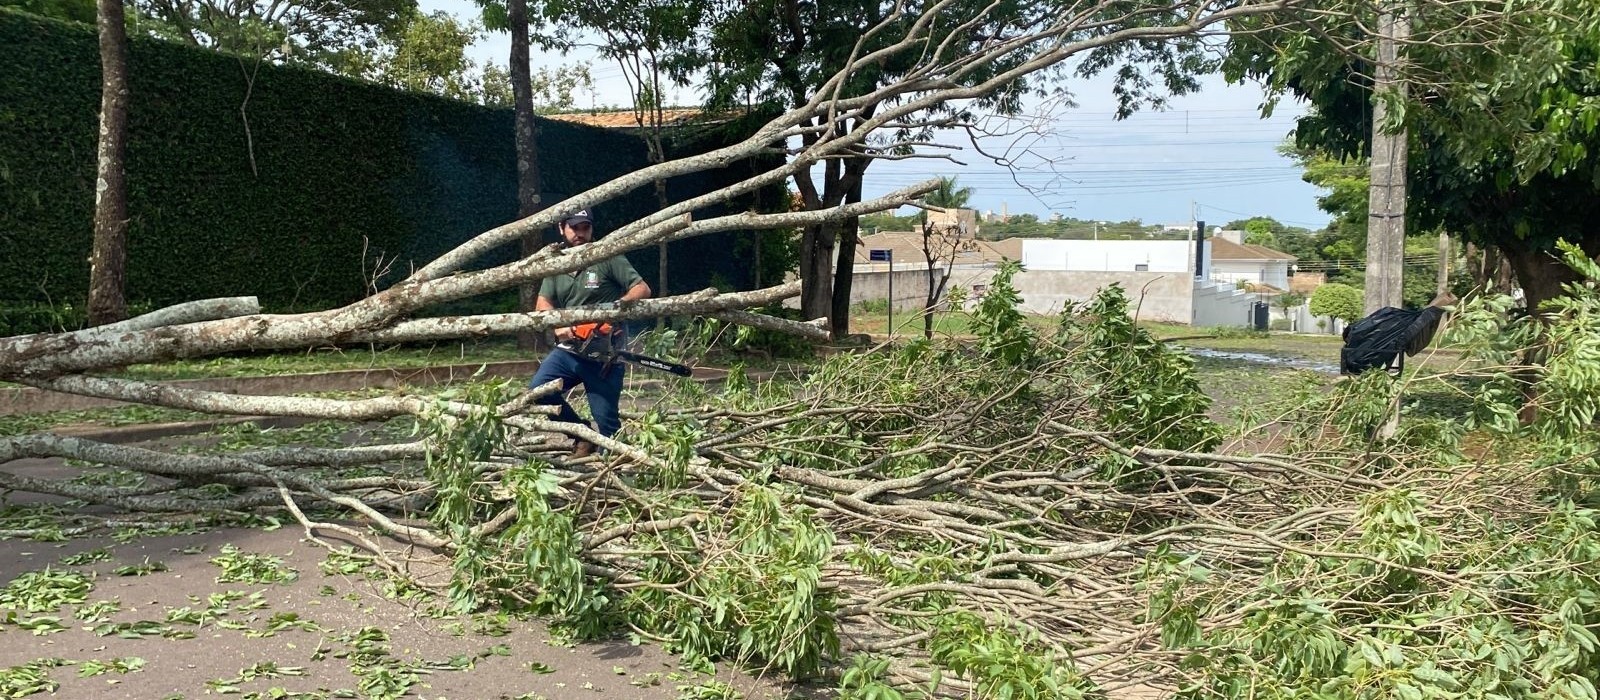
(582, 448)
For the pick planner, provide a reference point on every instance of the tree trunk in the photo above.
(849, 235)
(109, 259)
(1540, 274)
(529, 184)
(816, 271)
(1386, 207)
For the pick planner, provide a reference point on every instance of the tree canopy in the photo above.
(316, 33)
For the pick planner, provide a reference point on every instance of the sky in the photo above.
(1209, 153)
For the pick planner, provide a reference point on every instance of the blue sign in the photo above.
(880, 255)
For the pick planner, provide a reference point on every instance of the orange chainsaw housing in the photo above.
(585, 331)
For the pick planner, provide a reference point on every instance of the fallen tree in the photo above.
(1043, 514)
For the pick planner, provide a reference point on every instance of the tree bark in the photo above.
(529, 182)
(816, 270)
(1386, 207)
(109, 259)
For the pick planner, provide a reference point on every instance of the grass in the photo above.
(908, 323)
(1237, 385)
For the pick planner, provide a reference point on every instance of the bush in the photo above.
(1340, 301)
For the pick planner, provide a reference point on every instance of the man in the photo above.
(606, 282)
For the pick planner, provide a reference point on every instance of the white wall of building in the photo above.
(1220, 304)
(1108, 256)
(1273, 272)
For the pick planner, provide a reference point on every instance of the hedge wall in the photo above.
(340, 166)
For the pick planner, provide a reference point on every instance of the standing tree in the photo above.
(109, 260)
(512, 17)
(943, 239)
(640, 36)
(428, 55)
(529, 181)
(1340, 301)
(1501, 113)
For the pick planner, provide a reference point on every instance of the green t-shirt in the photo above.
(601, 283)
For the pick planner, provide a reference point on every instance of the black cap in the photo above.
(582, 217)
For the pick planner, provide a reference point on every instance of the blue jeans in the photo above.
(602, 384)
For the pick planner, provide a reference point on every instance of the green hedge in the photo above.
(340, 166)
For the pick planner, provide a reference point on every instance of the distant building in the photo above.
(1159, 274)
(1107, 256)
(628, 119)
(1307, 282)
(1232, 261)
(965, 220)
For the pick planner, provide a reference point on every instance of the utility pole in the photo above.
(1386, 207)
(1442, 283)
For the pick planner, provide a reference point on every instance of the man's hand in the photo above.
(564, 333)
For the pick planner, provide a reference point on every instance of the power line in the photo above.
(1285, 221)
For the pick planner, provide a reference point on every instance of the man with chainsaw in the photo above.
(584, 353)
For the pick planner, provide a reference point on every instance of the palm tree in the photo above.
(948, 196)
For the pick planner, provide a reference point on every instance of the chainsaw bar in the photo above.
(641, 360)
(654, 363)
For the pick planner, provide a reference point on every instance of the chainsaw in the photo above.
(595, 341)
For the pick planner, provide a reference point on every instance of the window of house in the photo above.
(1141, 267)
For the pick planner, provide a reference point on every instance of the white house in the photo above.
(1158, 274)
(1232, 260)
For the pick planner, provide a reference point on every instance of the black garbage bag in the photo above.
(1375, 342)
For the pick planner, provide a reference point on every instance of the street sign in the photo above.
(880, 255)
